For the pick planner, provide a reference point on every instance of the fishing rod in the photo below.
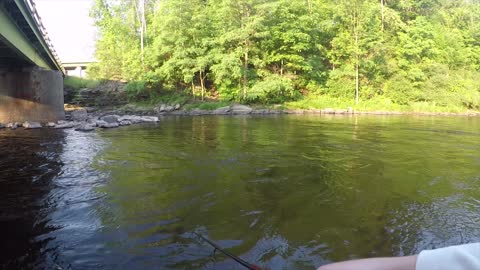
(228, 254)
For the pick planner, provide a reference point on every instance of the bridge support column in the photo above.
(32, 94)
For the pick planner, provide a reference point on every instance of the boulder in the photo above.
(261, 111)
(241, 109)
(125, 123)
(149, 119)
(50, 124)
(79, 115)
(169, 108)
(65, 124)
(104, 124)
(328, 111)
(222, 110)
(197, 111)
(110, 118)
(179, 112)
(12, 125)
(31, 125)
(85, 127)
(177, 107)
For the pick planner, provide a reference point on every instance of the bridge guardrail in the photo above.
(38, 21)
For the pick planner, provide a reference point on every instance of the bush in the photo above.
(272, 89)
(137, 90)
(401, 90)
(77, 83)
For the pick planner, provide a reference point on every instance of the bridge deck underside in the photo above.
(10, 58)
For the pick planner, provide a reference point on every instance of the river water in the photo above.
(284, 192)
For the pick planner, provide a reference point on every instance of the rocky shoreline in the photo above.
(89, 119)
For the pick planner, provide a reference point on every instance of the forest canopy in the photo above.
(272, 51)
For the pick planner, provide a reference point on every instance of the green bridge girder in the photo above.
(22, 38)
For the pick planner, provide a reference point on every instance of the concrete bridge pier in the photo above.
(32, 94)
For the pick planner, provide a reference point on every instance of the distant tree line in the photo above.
(270, 51)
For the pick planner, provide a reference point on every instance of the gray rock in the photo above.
(197, 111)
(241, 109)
(132, 118)
(177, 107)
(222, 110)
(12, 125)
(79, 115)
(169, 108)
(125, 123)
(19, 124)
(159, 109)
(328, 110)
(135, 119)
(85, 127)
(180, 112)
(50, 124)
(110, 118)
(261, 111)
(149, 119)
(65, 124)
(2, 126)
(104, 124)
(31, 125)
(92, 121)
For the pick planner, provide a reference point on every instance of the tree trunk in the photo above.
(143, 28)
(193, 90)
(382, 5)
(202, 84)
(281, 68)
(245, 70)
(245, 58)
(356, 22)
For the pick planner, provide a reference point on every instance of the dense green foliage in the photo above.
(400, 52)
(77, 83)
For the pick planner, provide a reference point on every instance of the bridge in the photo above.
(31, 76)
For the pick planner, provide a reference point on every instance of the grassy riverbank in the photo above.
(308, 102)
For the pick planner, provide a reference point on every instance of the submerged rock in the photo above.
(31, 125)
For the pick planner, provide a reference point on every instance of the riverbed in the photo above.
(280, 191)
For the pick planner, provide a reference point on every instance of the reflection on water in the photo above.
(286, 192)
